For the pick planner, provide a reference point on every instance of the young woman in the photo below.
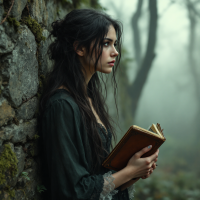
(75, 127)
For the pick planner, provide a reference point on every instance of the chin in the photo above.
(105, 71)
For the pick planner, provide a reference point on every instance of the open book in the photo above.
(135, 139)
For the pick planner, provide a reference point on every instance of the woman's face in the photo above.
(107, 59)
(109, 53)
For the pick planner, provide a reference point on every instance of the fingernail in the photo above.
(149, 146)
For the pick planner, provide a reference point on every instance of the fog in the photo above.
(170, 95)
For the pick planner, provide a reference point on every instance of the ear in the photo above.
(79, 50)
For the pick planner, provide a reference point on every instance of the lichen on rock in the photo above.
(8, 163)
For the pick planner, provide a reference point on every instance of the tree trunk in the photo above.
(136, 33)
(193, 68)
(135, 89)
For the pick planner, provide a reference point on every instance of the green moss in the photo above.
(13, 22)
(8, 163)
(11, 192)
(35, 28)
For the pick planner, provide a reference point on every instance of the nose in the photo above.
(114, 52)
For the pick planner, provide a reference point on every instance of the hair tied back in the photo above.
(57, 28)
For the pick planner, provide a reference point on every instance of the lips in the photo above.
(113, 61)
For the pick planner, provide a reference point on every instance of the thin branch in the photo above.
(8, 13)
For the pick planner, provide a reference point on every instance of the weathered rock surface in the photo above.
(46, 65)
(17, 8)
(21, 159)
(21, 62)
(6, 44)
(21, 69)
(6, 111)
(38, 11)
(55, 14)
(27, 110)
(1, 10)
(31, 188)
(32, 148)
(19, 133)
(11, 32)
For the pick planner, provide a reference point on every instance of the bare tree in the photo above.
(136, 32)
(145, 64)
(194, 16)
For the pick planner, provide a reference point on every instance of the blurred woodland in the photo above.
(163, 90)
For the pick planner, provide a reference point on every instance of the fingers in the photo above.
(154, 156)
(153, 166)
(143, 151)
(149, 173)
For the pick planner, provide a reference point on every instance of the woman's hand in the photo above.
(131, 182)
(151, 170)
(142, 167)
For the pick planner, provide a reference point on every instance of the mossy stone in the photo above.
(35, 28)
(8, 163)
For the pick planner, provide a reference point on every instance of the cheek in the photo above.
(104, 55)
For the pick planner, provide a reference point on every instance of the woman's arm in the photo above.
(65, 155)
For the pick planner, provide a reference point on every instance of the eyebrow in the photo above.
(109, 39)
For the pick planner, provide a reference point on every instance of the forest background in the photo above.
(159, 82)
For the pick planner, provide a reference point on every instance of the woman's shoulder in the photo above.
(62, 97)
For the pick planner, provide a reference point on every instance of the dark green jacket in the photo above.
(66, 154)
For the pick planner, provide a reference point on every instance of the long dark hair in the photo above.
(82, 26)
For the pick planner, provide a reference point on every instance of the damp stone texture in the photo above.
(24, 65)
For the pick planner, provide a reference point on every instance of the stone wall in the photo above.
(23, 66)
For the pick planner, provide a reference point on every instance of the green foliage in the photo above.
(35, 28)
(25, 175)
(41, 188)
(162, 186)
(8, 163)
